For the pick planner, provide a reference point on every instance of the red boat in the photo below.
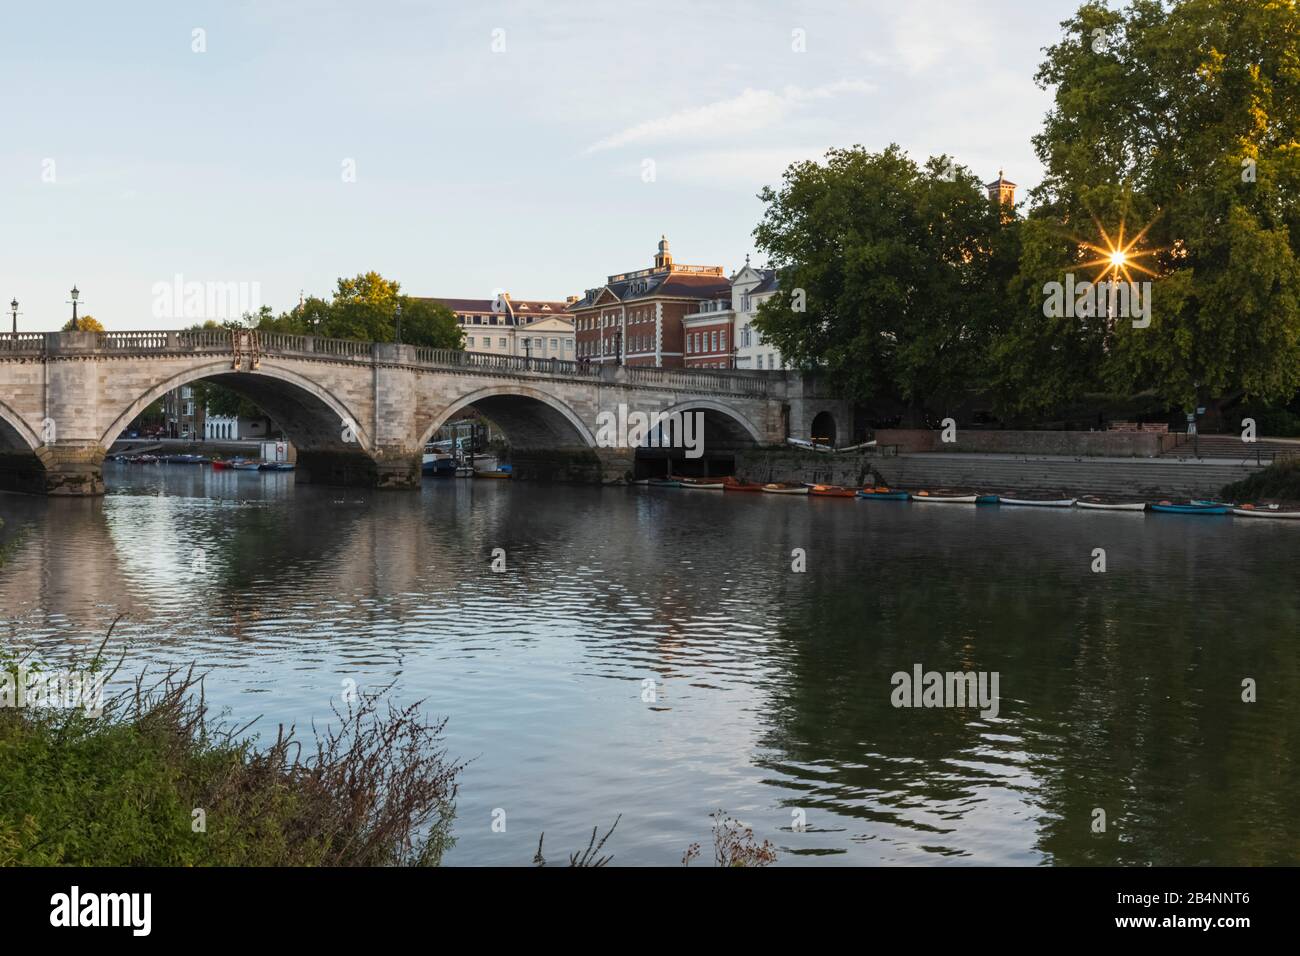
(731, 483)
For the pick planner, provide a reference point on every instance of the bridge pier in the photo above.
(55, 470)
(578, 465)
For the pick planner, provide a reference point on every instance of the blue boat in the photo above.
(276, 466)
(988, 500)
(885, 495)
(1189, 509)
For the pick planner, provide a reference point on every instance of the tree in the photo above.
(901, 271)
(365, 308)
(83, 323)
(1182, 119)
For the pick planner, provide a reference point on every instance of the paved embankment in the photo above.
(1138, 477)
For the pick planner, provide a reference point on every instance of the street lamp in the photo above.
(75, 296)
(399, 323)
(14, 306)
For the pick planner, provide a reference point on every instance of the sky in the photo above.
(459, 148)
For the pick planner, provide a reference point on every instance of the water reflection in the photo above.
(1120, 691)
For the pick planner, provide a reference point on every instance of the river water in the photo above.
(1118, 690)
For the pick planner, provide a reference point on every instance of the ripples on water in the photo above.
(1119, 690)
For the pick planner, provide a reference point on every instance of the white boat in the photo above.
(701, 485)
(945, 499)
(1269, 511)
(1111, 505)
(779, 489)
(1037, 502)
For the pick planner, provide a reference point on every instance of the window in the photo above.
(771, 361)
(744, 302)
(501, 343)
(568, 345)
(555, 345)
(723, 333)
(715, 341)
(469, 342)
(760, 361)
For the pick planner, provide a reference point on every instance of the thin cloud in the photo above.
(752, 109)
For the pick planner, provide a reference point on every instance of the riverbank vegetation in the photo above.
(1169, 165)
(157, 781)
(1280, 481)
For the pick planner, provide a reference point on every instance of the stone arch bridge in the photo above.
(361, 412)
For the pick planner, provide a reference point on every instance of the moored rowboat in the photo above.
(884, 494)
(1037, 502)
(1268, 511)
(945, 499)
(700, 484)
(1168, 507)
(778, 488)
(831, 491)
(1098, 505)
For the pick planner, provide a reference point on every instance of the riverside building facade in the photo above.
(635, 318)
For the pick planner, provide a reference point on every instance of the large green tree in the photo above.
(900, 270)
(1180, 119)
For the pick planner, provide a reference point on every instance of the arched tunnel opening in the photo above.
(233, 413)
(696, 442)
(21, 468)
(536, 439)
(823, 429)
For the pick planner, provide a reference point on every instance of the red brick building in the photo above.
(635, 318)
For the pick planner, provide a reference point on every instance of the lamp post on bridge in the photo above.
(75, 296)
(398, 334)
(14, 307)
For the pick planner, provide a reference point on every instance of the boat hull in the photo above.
(1191, 509)
(1031, 503)
(778, 490)
(947, 499)
(886, 495)
(1266, 513)
(1112, 506)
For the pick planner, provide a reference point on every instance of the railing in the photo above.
(504, 363)
(712, 381)
(22, 342)
(755, 384)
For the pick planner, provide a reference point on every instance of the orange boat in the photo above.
(832, 491)
(730, 483)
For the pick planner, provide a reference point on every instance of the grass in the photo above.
(156, 781)
(1280, 480)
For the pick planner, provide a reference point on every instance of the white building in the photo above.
(750, 288)
(720, 332)
(503, 326)
(233, 428)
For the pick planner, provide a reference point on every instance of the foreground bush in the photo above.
(1279, 480)
(155, 781)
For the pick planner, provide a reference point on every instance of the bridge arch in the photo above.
(310, 415)
(15, 434)
(530, 418)
(734, 423)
